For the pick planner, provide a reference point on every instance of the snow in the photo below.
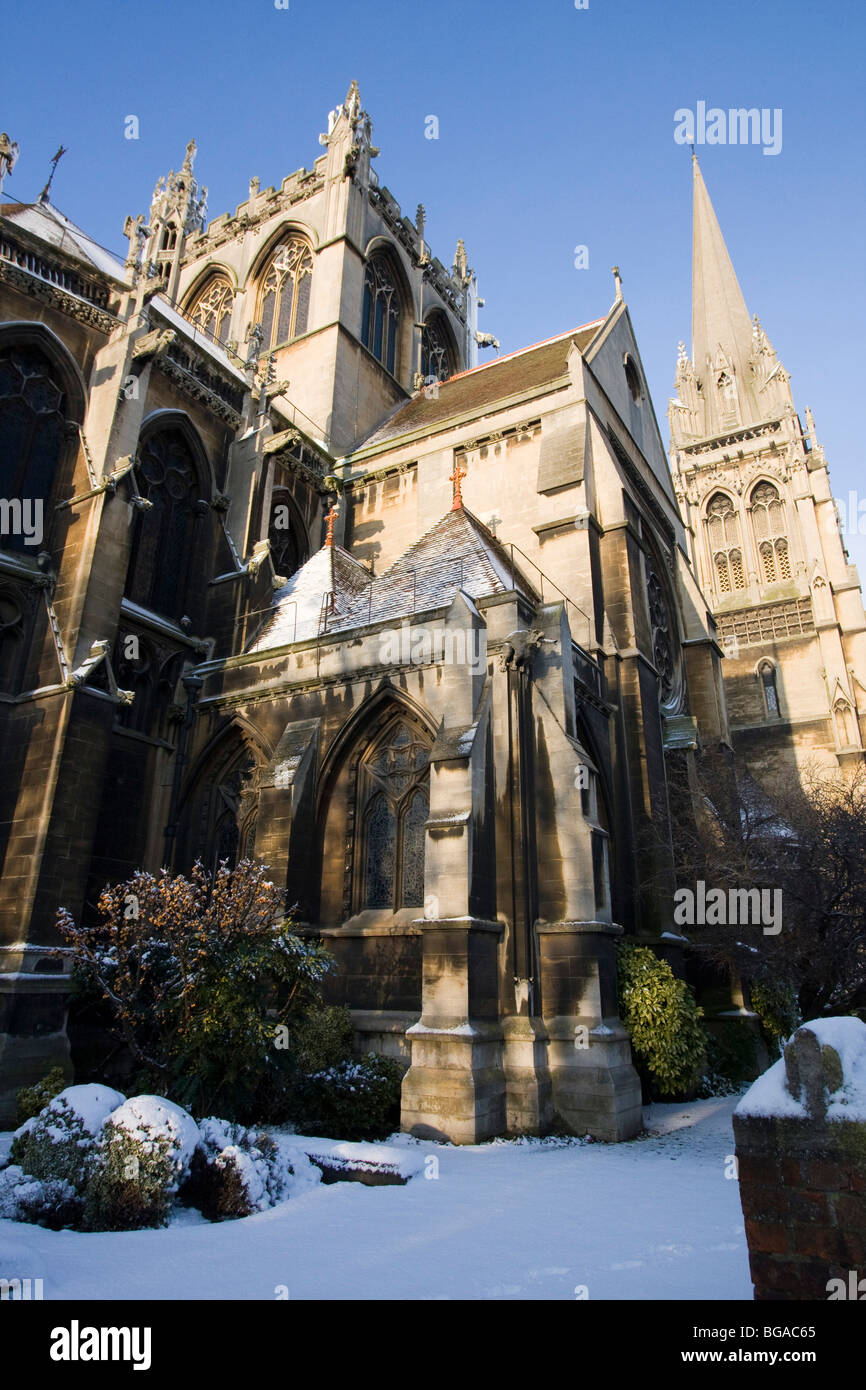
(382, 1158)
(92, 1104)
(145, 1116)
(769, 1097)
(653, 1218)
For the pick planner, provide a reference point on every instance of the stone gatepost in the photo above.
(800, 1133)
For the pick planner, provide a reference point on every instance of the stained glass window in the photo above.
(284, 298)
(395, 777)
(380, 321)
(31, 439)
(159, 564)
(211, 310)
(435, 354)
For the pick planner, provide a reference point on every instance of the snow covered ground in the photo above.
(653, 1218)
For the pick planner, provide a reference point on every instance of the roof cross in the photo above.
(457, 478)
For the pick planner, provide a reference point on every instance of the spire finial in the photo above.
(43, 196)
(617, 280)
(330, 518)
(457, 479)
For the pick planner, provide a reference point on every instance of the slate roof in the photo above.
(50, 225)
(481, 386)
(457, 553)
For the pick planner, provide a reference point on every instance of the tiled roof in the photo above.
(457, 553)
(481, 386)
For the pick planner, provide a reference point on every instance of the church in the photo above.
(424, 634)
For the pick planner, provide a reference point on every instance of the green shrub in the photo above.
(776, 1005)
(59, 1144)
(323, 1038)
(31, 1099)
(352, 1100)
(662, 1019)
(731, 1060)
(144, 1156)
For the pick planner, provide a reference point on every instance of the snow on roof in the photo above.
(49, 224)
(458, 552)
(183, 325)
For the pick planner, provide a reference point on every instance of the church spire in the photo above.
(719, 314)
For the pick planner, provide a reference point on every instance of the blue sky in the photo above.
(555, 130)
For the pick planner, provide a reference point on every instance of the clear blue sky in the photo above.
(555, 129)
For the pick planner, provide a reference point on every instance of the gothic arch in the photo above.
(440, 356)
(287, 532)
(768, 515)
(210, 302)
(165, 572)
(208, 272)
(283, 232)
(372, 811)
(219, 805)
(664, 625)
(42, 406)
(723, 536)
(387, 295)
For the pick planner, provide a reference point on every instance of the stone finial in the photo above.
(812, 1071)
(254, 186)
(617, 280)
(330, 518)
(352, 104)
(420, 220)
(461, 263)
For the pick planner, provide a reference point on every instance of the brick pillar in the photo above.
(800, 1135)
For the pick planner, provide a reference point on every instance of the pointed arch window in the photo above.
(725, 545)
(436, 356)
(395, 803)
(32, 445)
(163, 544)
(770, 531)
(284, 296)
(380, 320)
(767, 673)
(211, 310)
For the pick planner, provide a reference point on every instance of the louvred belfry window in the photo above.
(211, 310)
(726, 551)
(770, 529)
(380, 320)
(284, 298)
(395, 798)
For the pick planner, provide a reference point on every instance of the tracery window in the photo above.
(285, 534)
(726, 550)
(380, 320)
(394, 809)
(767, 672)
(162, 545)
(12, 625)
(32, 430)
(435, 353)
(770, 530)
(211, 310)
(284, 297)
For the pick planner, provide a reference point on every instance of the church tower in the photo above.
(754, 490)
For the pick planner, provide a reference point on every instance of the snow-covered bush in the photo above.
(59, 1144)
(236, 1171)
(144, 1155)
(353, 1100)
(662, 1019)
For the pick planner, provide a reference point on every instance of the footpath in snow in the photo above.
(532, 1219)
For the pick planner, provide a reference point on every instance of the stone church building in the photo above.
(286, 573)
